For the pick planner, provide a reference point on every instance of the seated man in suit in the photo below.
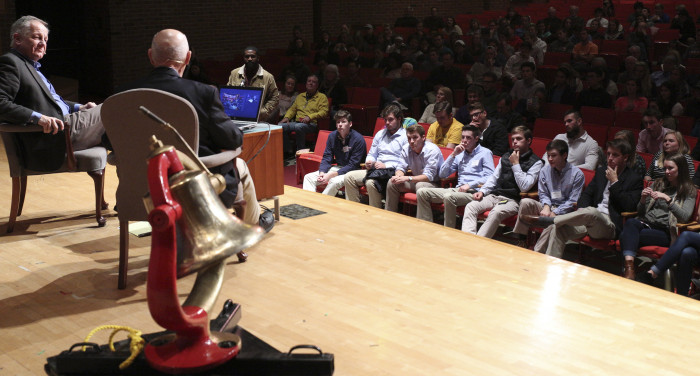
(516, 172)
(169, 55)
(423, 158)
(473, 164)
(615, 189)
(383, 158)
(27, 97)
(303, 115)
(560, 185)
(347, 148)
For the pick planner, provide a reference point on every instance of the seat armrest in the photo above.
(304, 151)
(220, 158)
(70, 157)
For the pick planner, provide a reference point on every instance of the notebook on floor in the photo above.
(242, 104)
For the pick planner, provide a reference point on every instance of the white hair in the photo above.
(22, 26)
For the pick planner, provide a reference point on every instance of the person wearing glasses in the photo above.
(493, 134)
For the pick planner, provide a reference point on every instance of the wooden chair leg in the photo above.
(14, 205)
(99, 178)
(123, 253)
(22, 193)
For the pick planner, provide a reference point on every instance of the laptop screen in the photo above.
(240, 102)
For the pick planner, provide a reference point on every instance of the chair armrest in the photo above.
(626, 215)
(693, 227)
(304, 151)
(70, 157)
(220, 158)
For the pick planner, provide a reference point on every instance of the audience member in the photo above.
(505, 115)
(446, 130)
(636, 162)
(516, 172)
(512, 68)
(353, 78)
(561, 90)
(684, 254)
(584, 51)
(345, 150)
(253, 74)
(552, 22)
(582, 148)
(297, 67)
(614, 31)
(685, 24)
(559, 188)
(595, 95)
(462, 56)
(452, 27)
(524, 88)
(666, 102)
(652, 136)
(674, 143)
(302, 117)
(577, 23)
(443, 94)
(446, 75)
(422, 158)
(669, 200)
(286, 97)
(474, 94)
(402, 89)
(597, 16)
(433, 22)
(487, 64)
(382, 160)
(613, 190)
(632, 101)
(333, 88)
(473, 164)
(562, 43)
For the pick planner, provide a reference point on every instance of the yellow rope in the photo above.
(136, 345)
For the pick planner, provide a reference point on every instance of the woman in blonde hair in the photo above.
(673, 143)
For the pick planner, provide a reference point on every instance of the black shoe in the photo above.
(267, 219)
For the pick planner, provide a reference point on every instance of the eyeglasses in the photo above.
(476, 114)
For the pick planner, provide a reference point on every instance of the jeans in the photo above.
(300, 130)
(684, 252)
(636, 234)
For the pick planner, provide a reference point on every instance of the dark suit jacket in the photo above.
(216, 130)
(21, 92)
(624, 195)
(495, 138)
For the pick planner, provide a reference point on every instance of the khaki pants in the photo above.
(574, 225)
(499, 212)
(393, 191)
(353, 182)
(451, 197)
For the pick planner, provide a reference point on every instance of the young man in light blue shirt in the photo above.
(473, 164)
(422, 158)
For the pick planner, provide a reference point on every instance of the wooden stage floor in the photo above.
(385, 293)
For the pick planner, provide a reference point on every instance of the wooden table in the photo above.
(267, 168)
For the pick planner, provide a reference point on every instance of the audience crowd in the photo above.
(478, 91)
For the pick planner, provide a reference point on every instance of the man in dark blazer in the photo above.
(494, 135)
(169, 54)
(27, 97)
(614, 189)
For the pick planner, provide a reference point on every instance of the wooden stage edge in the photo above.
(386, 293)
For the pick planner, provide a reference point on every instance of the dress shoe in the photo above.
(242, 256)
(629, 272)
(267, 219)
(536, 220)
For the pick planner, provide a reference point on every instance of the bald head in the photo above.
(169, 48)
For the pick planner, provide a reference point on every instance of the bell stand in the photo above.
(255, 358)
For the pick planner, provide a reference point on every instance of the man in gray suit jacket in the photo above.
(27, 97)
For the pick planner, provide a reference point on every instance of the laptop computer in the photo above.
(242, 104)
